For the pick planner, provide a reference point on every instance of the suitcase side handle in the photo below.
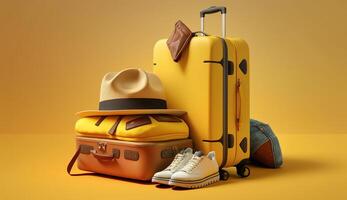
(238, 104)
(103, 157)
(214, 9)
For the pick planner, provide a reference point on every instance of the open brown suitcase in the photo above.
(135, 160)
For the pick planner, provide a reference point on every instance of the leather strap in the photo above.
(100, 120)
(238, 104)
(113, 129)
(72, 161)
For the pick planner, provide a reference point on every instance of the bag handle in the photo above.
(103, 157)
(73, 160)
(214, 9)
(238, 104)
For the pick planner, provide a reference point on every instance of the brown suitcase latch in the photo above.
(131, 155)
(102, 146)
(170, 152)
(85, 149)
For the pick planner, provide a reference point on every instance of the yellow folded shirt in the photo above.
(134, 127)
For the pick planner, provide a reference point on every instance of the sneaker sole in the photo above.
(161, 180)
(195, 183)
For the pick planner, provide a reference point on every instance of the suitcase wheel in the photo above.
(223, 174)
(243, 171)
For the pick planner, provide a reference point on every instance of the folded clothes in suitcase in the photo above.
(135, 160)
(134, 127)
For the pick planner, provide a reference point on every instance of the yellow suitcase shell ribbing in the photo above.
(195, 84)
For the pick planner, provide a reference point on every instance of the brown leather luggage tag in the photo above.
(178, 40)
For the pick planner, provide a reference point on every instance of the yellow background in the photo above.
(54, 53)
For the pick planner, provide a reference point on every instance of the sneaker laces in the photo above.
(178, 158)
(192, 164)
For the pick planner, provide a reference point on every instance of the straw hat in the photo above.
(130, 92)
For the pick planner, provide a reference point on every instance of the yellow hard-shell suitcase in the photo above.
(211, 82)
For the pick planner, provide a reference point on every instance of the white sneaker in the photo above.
(180, 160)
(199, 171)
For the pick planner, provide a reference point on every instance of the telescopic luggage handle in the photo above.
(214, 9)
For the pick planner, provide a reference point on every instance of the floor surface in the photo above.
(34, 167)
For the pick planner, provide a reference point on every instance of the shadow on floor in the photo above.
(114, 178)
(292, 166)
(162, 186)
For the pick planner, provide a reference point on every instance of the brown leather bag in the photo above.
(179, 39)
